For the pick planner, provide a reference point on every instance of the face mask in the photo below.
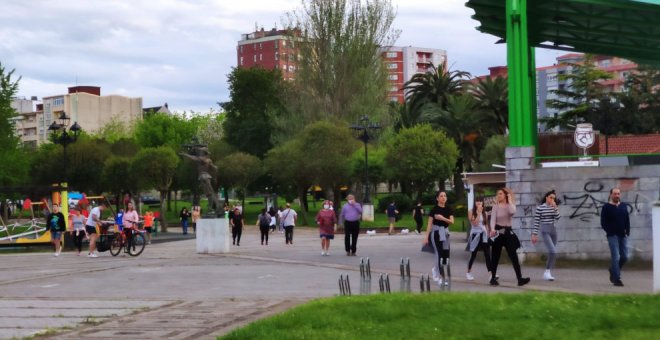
(326, 206)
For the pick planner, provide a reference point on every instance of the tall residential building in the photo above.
(402, 62)
(549, 78)
(274, 49)
(83, 104)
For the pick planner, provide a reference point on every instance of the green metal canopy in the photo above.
(623, 28)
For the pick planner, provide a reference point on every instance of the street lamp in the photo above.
(60, 135)
(366, 131)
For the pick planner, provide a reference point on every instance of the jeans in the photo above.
(288, 234)
(549, 234)
(351, 232)
(78, 236)
(184, 226)
(619, 251)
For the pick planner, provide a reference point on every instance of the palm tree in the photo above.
(434, 86)
(492, 96)
(462, 120)
(403, 116)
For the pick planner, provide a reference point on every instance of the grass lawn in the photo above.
(252, 210)
(465, 316)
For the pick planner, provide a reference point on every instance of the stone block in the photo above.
(520, 187)
(519, 163)
(528, 199)
(514, 175)
(593, 246)
(519, 152)
(212, 236)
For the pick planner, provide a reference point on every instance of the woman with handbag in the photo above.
(504, 237)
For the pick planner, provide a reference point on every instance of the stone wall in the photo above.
(582, 192)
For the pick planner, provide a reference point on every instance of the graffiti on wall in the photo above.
(587, 206)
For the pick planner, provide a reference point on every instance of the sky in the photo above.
(180, 51)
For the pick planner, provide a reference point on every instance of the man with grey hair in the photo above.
(615, 220)
(350, 216)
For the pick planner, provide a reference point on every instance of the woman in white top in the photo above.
(478, 236)
(79, 233)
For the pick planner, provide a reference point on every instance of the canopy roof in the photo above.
(623, 28)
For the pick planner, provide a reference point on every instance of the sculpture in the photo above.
(199, 153)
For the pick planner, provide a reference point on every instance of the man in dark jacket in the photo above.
(614, 219)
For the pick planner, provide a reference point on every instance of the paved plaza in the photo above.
(172, 292)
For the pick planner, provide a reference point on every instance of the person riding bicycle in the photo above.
(130, 222)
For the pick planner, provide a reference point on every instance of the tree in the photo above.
(118, 179)
(155, 168)
(578, 102)
(13, 160)
(239, 170)
(378, 171)
(420, 156)
(255, 101)
(493, 98)
(327, 146)
(493, 153)
(159, 129)
(434, 86)
(462, 121)
(339, 72)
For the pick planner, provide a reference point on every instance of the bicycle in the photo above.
(119, 242)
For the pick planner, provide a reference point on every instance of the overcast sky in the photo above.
(180, 51)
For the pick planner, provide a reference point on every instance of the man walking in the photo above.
(350, 216)
(90, 226)
(614, 219)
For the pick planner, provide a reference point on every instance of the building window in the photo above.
(241, 48)
(391, 55)
(261, 46)
(393, 77)
(261, 57)
(241, 61)
(277, 44)
(283, 43)
(277, 56)
(394, 89)
(292, 68)
(394, 99)
(392, 66)
(58, 101)
(254, 58)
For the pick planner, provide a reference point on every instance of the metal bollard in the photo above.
(362, 268)
(387, 283)
(408, 267)
(368, 268)
(421, 283)
(348, 285)
(428, 283)
(344, 285)
(341, 285)
(381, 284)
(403, 273)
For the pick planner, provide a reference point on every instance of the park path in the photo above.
(172, 292)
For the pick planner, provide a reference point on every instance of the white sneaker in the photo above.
(322, 253)
(439, 282)
(92, 255)
(446, 282)
(469, 277)
(56, 254)
(548, 276)
(434, 273)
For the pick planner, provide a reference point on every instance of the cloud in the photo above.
(180, 51)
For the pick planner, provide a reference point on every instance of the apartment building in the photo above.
(83, 104)
(402, 62)
(274, 49)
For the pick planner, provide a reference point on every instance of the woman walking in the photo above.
(500, 229)
(440, 217)
(236, 221)
(263, 221)
(78, 221)
(56, 224)
(327, 222)
(544, 218)
(418, 213)
(478, 236)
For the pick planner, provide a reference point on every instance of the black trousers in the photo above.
(78, 237)
(485, 247)
(236, 234)
(264, 233)
(508, 241)
(351, 232)
(288, 234)
(418, 221)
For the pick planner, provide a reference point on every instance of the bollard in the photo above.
(362, 269)
(387, 283)
(403, 273)
(408, 267)
(381, 284)
(344, 285)
(341, 285)
(428, 283)
(421, 283)
(368, 269)
(348, 285)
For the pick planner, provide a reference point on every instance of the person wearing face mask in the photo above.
(350, 216)
(327, 222)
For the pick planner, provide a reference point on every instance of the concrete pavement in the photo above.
(172, 292)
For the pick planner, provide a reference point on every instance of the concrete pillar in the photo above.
(212, 236)
(519, 160)
(368, 212)
(656, 246)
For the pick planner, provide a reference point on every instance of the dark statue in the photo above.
(206, 170)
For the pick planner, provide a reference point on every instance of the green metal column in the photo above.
(522, 76)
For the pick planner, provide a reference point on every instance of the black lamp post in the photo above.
(365, 132)
(63, 134)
